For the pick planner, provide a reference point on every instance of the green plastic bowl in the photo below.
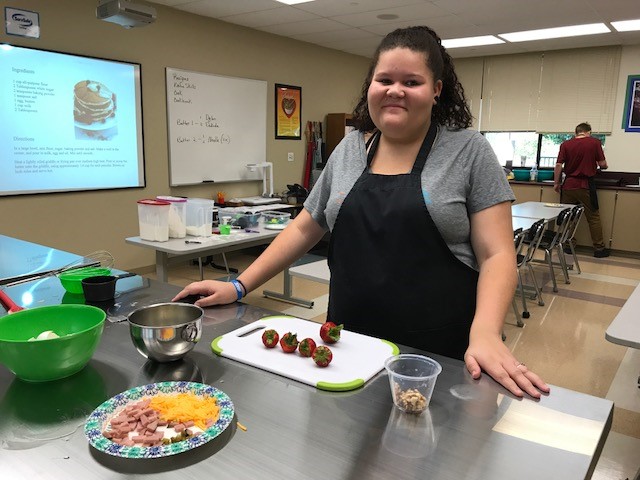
(72, 280)
(545, 175)
(521, 174)
(79, 328)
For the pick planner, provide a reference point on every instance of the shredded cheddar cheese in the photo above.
(186, 406)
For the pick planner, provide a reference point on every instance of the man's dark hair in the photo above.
(583, 128)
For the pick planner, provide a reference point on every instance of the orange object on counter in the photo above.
(221, 198)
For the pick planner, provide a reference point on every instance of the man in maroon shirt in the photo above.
(581, 157)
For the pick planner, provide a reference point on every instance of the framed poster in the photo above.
(631, 120)
(288, 107)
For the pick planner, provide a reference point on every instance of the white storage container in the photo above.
(153, 218)
(177, 215)
(199, 217)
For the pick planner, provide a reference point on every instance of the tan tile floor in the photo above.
(563, 340)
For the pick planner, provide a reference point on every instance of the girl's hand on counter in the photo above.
(213, 292)
(487, 352)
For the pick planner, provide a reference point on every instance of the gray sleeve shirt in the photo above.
(462, 176)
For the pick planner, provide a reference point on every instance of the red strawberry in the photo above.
(330, 332)
(306, 347)
(270, 338)
(322, 356)
(289, 342)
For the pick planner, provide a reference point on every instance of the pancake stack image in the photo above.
(93, 102)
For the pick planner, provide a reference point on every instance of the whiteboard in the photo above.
(216, 126)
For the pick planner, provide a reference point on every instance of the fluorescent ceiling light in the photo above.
(626, 25)
(293, 2)
(558, 32)
(471, 41)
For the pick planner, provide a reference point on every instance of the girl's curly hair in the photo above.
(451, 109)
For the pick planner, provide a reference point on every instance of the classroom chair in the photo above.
(527, 248)
(552, 241)
(567, 243)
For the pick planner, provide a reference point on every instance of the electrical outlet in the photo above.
(290, 156)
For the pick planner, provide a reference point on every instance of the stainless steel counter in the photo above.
(22, 259)
(473, 429)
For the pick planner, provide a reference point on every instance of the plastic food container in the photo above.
(521, 174)
(177, 215)
(199, 217)
(412, 379)
(237, 217)
(153, 217)
(275, 220)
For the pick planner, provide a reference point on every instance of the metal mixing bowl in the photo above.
(165, 332)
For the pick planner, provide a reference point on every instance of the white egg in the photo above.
(47, 335)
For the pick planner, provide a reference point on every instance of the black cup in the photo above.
(101, 288)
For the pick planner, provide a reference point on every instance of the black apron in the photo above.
(392, 274)
(593, 194)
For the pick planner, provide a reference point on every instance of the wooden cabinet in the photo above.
(624, 235)
(526, 193)
(607, 203)
(338, 124)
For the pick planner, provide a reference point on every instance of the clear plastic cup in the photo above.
(412, 379)
(409, 436)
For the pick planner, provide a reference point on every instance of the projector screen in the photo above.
(68, 123)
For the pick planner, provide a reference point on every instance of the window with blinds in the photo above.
(469, 72)
(548, 92)
(510, 90)
(578, 86)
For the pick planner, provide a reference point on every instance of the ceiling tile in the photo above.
(336, 36)
(453, 25)
(223, 8)
(406, 13)
(308, 26)
(332, 8)
(274, 16)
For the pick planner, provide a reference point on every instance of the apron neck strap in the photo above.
(423, 153)
(425, 149)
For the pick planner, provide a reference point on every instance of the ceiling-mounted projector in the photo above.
(125, 13)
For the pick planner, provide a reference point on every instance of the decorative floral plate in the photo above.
(98, 419)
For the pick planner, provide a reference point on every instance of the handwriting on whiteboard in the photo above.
(222, 139)
(216, 125)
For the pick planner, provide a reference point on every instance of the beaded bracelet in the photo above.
(238, 288)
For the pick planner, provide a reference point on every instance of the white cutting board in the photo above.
(356, 357)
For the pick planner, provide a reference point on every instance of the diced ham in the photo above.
(179, 427)
(189, 423)
(118, 419)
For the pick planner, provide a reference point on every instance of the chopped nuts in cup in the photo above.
(410, 400)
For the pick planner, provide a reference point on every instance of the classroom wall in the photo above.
(622, 149)
(83, 222)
